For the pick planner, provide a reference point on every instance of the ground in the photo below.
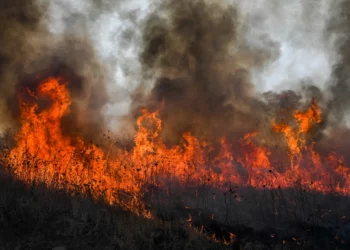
(34, 217)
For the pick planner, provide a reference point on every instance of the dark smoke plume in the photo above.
(192, 51)
(339, 30)
(30, 53)
(197, 51)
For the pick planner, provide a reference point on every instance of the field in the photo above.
(35, 217)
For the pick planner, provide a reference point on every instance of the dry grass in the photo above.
(35, 217)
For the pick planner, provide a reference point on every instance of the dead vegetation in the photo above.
(35, 217)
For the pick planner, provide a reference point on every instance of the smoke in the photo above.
(198, 63)
(31, 53)
(205, 65)
(20, 22)
(299, 29)
(340, 86)
(114, 31)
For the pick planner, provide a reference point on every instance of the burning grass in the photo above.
(151, 176)
(37, 217)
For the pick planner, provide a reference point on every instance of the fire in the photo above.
(44, 154)
(232, 239)
(296, 138)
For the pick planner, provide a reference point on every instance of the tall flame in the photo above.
(44, 154)
(296, 140)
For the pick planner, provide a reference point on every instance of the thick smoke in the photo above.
(337, 106)
(19, 22)
(202, 63)
(339, 32)
(30, 53)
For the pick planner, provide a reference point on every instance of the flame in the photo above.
(43, 153)
(232, 239)
(296, 138)
(189, 220)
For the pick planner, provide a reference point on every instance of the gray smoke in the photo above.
(31, 53)
(339, 29)
(199, 57)
(209, 62)
(19, 22)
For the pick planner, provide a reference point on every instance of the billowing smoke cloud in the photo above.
(189, 46)
(204, 64)
(299, 28)
(198, 55)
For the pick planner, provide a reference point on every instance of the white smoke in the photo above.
(299, 28)
(115, 30)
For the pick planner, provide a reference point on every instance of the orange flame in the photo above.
(44, 154)
(296, 140)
